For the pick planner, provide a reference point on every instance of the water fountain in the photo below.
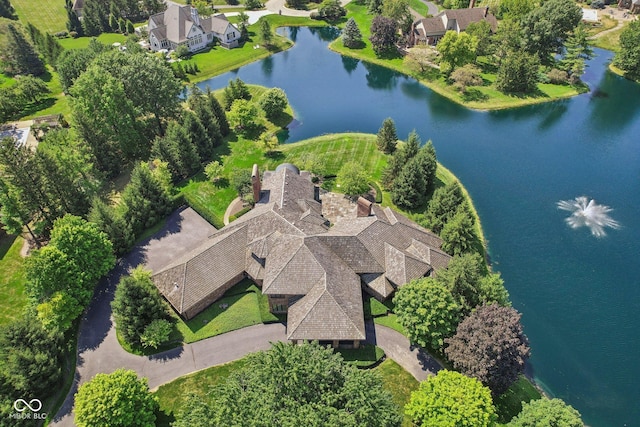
(588, 213)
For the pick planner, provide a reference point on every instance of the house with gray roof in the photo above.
(181, 25)
(431, 30)
(313, 271)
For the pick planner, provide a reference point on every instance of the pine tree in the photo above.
(6, 10)
(458, 234)
(265, 32)
(387, 136)
(426, 158)
(218, 111)
(409, 187)
(443, 206)
(22, 57)
(400, 158)
(73, 22)
(113, 225)
(176, 149)
(351, 36)
(198, 136)
(200, 107)
(145, 201)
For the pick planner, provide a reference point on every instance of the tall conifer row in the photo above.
(22, 58)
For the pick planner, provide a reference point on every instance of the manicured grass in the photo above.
(82, 42)
(482, 97)
(12, 279)
(609, 41)
(47, 15)
(172, 396)
(241, 311)
(363, 357)
(419, 7)
(399, 383)
(332, 151)
(509, 404)
(390, 321)
(374, 308)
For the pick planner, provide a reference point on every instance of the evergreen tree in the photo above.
(177, 150)
(219, 113)
(265, 32)
(428, 162)
(209, 120)
(577, 51)
(351, 35)
(198, 136)
(387, 137)
(137, 303)
(6, 10)
(410, 186)
(113, 225)
(144, 199)
(400, 158)
(21, 56)
(73, 22)
(444, 204)
(458, 235)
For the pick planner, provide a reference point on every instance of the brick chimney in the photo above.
(255, 183)
(364, 207)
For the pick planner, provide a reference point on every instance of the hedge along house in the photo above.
(181, 25)
(310, 271)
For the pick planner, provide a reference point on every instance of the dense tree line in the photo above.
(628, 57)
(19, 55)
(99, 16)
(46, 44)
(28, 91)
(294, 385)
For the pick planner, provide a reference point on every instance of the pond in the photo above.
(579, 294)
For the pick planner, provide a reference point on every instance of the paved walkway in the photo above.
(99, 351)
(234, 207)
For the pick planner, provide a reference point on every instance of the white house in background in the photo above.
(181, 25)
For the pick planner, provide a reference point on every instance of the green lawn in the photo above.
(419, 7)
(365, 356)
(12, 297)
(241, 311)
(509, 404)
(400, 383)
(609, 41)
(82, 42)
(482, 98)
(47, 15)
(172, 396)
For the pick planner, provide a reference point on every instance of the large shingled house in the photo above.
(431, 30)
(311, 271)
(181, 25)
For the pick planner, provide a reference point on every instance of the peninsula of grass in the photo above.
(485, 97)
(12, 279)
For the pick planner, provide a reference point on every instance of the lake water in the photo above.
(579, 295)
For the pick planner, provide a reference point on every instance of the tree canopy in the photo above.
(450, 399)
(387, 137)
(353, 179)
(547, 412)
(20, 56)
(383, 35)
(351, 35)
(628, 57)
(136, 305)
(116, 399)
(296, 385)
(427, 311)
(273, 102)
(456, 50)
(489, 345)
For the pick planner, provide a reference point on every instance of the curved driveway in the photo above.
(99, 351)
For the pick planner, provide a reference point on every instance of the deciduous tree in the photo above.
(546, 28)
(451, 399)
(518, 73)
(314, 387)
(456, 50)
(427, 311)
(628, 57)
(331, 10)
(116, 399)
(213, 171)
(489, 345)
(273, 102)
(547, 412)
(353, 179)
(383, 35)
(463, 77)
(398, 10)
(243, 116)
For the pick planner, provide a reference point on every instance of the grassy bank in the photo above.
(485, 97)
(12, 296)
(609, 41)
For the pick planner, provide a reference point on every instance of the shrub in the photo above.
(597, 4)
(558, 77)
(253, 4)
